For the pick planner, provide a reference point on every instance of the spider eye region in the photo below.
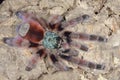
(51, 40)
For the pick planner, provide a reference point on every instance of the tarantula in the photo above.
(49, 39)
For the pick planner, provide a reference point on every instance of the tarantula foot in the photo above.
(97, 38)
(28, 68)
(19, 14)
(100, 67)
(70, 68)
(5, 39)
(102, 39)
(96, 66)
(84, 48)
(85, 16)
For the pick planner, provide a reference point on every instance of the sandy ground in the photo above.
(104, 20)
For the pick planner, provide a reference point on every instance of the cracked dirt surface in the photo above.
(104, 20)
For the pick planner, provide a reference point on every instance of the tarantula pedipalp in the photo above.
(49, 38)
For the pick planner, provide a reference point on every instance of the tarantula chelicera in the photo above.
(49, 39)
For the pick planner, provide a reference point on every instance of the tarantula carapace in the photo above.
(49, 39)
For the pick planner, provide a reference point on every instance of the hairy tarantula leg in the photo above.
(74, 21)
(70, 52)
(55, 22)
(16, 41)
(58, 64)
(79, 46)
(19, 42)
(84, 36)
(81, 62)
(34, 59)
(54, 19)
(65, 46)
(32, 62)
(24, 16)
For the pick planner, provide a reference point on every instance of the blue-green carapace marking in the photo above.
(51, 40)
